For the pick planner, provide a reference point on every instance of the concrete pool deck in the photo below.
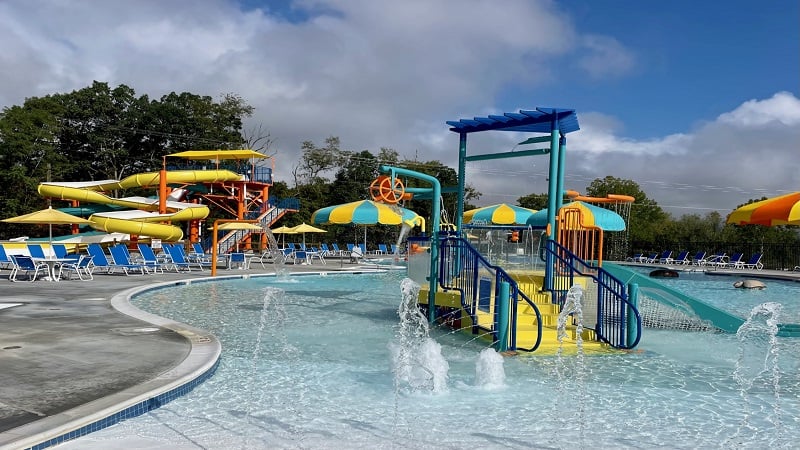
(66, 354)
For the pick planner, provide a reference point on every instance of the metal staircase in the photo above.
(266, 219)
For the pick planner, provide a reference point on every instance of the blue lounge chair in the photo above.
(753, 263)
(36, 251)
(122, 260)
(5, 261)
(82, 267)
(635, 258)
(60, 250)
(382, 249)
(730, 263)
(198, 254)
(682, 258)
(238, 259)
(180, 259)
(697, 258)
(150, 259)
(100, 260)
(326, 251)
(653, 257)
(662, 259)
(23, 263)
(713, 260)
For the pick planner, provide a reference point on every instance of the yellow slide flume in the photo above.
(142, 222)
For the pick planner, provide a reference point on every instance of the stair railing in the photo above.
(228, 241)
(618, 322)
(461, 269)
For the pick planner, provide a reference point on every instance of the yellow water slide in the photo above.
(143, 218)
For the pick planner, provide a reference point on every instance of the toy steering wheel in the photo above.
(387, 190)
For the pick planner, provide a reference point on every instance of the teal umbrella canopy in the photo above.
(592, 215)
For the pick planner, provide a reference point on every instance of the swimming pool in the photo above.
(307, 364)
(718, 291)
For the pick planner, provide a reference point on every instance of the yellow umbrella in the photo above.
(48, 217)
(306, 228)
(231, 226)
(283, 230)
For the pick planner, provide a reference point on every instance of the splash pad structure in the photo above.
(517, 309)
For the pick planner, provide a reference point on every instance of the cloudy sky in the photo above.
(697, 104)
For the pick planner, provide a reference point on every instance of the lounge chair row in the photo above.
(719, 260)
(37, 264)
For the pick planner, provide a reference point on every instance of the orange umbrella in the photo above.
(781, 210)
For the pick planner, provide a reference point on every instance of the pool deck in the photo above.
(68, 353)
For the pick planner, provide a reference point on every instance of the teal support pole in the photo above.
(562, 168)
(633, 297)
(501, 306)
(462, 178)
(433, 280)
(553, 196)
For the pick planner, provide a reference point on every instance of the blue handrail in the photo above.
(613, 305)
(460, 268)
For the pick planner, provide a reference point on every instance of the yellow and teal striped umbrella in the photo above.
(591, 216)
(365, 212)
(501, 214)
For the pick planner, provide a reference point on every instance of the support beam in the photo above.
(487, 156)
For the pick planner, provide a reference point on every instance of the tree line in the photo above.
(103, 132)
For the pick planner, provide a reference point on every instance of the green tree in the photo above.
(533, 201)
(102, 133)
(315, 161)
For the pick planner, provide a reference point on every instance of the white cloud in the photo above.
(782, 108)
(389, 74)
(605, 56)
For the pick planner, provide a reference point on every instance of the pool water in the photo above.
(718, 291)
(307, 363)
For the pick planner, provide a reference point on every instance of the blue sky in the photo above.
(695, 101)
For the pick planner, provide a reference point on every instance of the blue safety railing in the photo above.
(461, 269)
(618, 321)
